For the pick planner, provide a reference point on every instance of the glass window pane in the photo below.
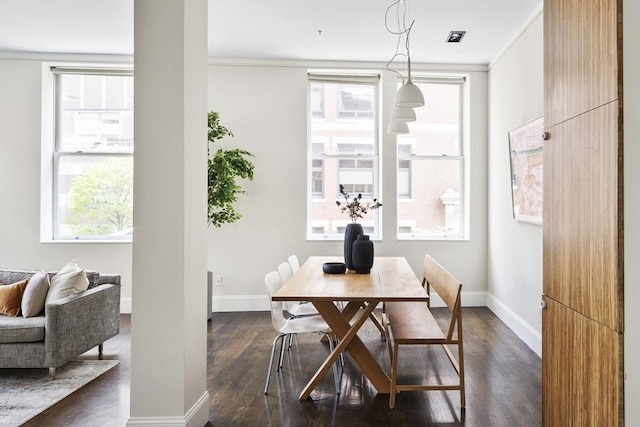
(437, 129)
(344, 141)
(326, 212)
(317, 101)
(95, 113)
(434, 207)
(95, 196)
(404, 179)
(317, 182)
(356, 101)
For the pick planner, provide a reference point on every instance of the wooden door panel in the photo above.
(582, 64)
(581, 370)
(582, 216)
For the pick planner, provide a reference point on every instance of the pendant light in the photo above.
(409, 94)
(397, 128)
(403, 114)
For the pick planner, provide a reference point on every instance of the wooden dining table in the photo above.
(390, 279)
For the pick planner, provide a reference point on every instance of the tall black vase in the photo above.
(351, 233)
(362, 254)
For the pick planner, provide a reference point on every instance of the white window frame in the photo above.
(463, 233)
(374, 218)
(52, 155)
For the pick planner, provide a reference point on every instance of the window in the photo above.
(93, 155)
(356, 175)
(317, 172)
(404, 171)
(430, 168)
(355, 101)
(317, 101)
(343, 147)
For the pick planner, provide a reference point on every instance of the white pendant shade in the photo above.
(403, 114)
(397, 128)
(409, 95)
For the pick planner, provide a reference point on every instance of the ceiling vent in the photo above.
(455, 36)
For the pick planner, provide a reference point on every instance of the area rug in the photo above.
(24, 393)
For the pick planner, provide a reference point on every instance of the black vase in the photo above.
(351, 233)
(362, 254)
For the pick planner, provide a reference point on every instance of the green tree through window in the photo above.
(101, 199)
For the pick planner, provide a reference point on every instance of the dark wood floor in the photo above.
(503, 381)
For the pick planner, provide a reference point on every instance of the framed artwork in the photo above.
(525, 147)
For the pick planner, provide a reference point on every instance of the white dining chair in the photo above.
(301, 308)
(295, 309)
(295, 325)
(294, 263)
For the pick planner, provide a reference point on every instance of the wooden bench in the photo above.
(411, 323)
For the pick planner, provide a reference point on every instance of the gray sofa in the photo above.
(67, 327)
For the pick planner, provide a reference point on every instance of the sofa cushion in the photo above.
(70, 280)
(13, 276)
(35, 294)
(19, 329)
(11, 297)
(92, 276)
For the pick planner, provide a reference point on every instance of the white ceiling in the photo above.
(351, 30)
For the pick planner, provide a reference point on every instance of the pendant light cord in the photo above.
(403, 30)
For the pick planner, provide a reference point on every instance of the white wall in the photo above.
(631, 87)
(20, 146)
(265, 106)
(515, 252)
(515, 248)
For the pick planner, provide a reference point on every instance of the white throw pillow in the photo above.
(71, 279)
(35, 294)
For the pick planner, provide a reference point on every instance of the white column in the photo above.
(169, 289)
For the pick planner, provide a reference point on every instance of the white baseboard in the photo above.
(522, 329)
(235, 303)
(196, 416)
(469, 299)
(474, 299)
(230, 303)
(224, 303)
(125, 305)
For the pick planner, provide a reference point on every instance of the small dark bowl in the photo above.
(334, 267)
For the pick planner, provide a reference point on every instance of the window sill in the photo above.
(441, 239)
(85, 241)
(336, 239)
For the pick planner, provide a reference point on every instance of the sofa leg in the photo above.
(100, 348)
(52, 373)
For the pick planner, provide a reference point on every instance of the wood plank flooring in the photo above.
(503, 381)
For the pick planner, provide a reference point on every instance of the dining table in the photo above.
(345, 301)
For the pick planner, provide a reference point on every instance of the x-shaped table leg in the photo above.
(349, 341)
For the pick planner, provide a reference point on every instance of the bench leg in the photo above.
(52, 374)
(463, 402)
(394, 376)
(100, 349)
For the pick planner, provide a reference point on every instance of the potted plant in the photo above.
(224, 167)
